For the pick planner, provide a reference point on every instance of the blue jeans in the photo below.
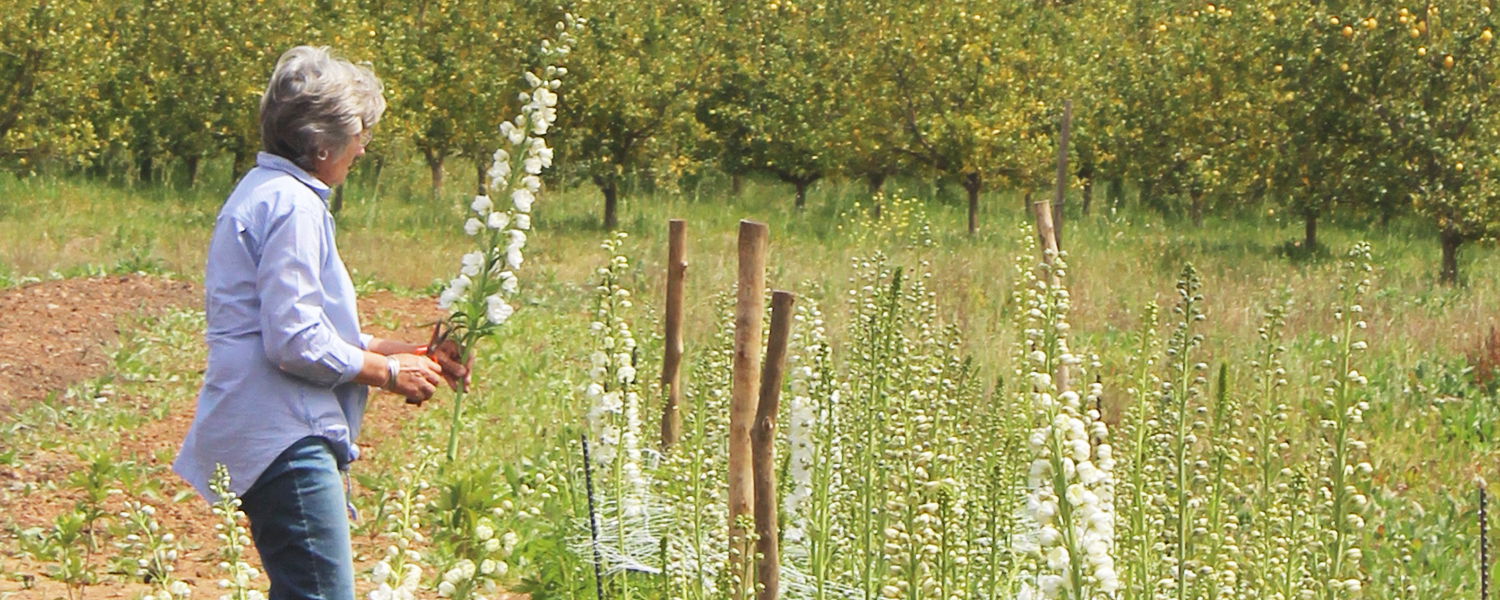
(298, 519)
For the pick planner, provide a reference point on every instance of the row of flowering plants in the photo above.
(904, 476)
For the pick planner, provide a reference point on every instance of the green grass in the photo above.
(393, 235)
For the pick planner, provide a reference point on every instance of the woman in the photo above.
(285, 389)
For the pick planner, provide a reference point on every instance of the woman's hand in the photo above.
(448, 356)
(418, 379)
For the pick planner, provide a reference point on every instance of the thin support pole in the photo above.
(767, 527)
(671, 364)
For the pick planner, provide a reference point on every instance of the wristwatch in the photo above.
(393, 368)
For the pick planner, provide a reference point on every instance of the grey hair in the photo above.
(315, 103)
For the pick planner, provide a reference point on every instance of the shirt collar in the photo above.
(278, 163)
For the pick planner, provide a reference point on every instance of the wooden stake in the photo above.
(749, 315)
(1059, 198)
(767, 545)
(671, 364)
(1047, 236)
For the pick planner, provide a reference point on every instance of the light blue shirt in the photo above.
(283, 334)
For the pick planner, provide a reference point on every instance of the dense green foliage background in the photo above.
(1309, 109)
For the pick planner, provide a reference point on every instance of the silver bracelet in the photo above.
(393, 367)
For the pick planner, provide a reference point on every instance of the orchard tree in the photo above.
(427, 72)
(1182, 101)
(972, 88)
(864, 136)
(1319, 146)
(45, 89)
(1443, 121)
(636, 71)
(1108, 84)
(772, 98)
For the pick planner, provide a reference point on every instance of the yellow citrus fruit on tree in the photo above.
(1422, 51)
(1486, 36)
(1448, 61)
(1348, 31)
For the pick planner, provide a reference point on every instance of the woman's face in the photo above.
(335, 169)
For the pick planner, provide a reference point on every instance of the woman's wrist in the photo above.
(387, 347)
(375, 372)
(393, 369)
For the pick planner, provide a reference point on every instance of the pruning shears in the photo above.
(440, 331)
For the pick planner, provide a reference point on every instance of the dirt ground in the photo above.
(58, 333)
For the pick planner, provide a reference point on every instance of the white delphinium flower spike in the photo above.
(398, 575)
(1070, 500)
(233, 536)
(477, 298)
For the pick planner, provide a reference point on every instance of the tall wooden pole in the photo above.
(1059, 198)
(671, 364)
(767, 545)
(749, 315)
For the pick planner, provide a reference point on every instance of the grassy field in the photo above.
(1428, 427)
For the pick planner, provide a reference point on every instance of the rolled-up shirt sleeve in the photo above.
(297, 335)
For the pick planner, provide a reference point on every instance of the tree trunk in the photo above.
(1088, 195)
(243, 160)
(873, 183)
(1310, 230)
(610, 187)
(192, 163)
(435, 163)
(971, 183)
(1195, 205)
(801, 192)
(145, 167)
(736, 184)
(481, 165)
(1451, 242)
(1115, 194)
(1086, 176)
(1146, 195)
(378, 168)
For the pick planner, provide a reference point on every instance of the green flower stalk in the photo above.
(1181, 421)
(398, 575)
(234, 537)
(1343, 502)
(1141, 487)
(1270, 552)
(150, 553)
(692, 475)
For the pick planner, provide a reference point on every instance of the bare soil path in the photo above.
(55, 334)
